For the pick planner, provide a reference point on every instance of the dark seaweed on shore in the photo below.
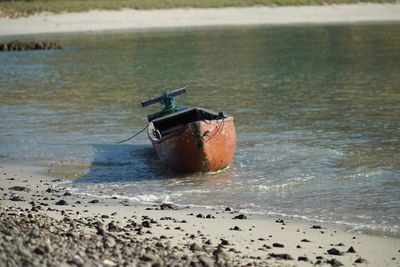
(23, 46)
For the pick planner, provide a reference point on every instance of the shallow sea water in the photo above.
(317, 114)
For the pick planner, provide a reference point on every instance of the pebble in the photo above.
(51, 190)
(195, 247)
(206, 261)
(351, 250)
(278, 245)
(15, 197)
(25, 252)
(168, 206)
(18, 188)
(302, 258)
(112, 227)
(109, 242)
(149, 256)
(334, 251)
(61, 202)
(100, 231)
(146, 224)
(316, 227)
(109, 263)
(76, 260)
(39, 251)
(334, 263)
(360, 260)
(219, 254)
(225, 242)
(281, 256)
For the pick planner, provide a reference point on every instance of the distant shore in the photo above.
(130, 19)
(42, 223)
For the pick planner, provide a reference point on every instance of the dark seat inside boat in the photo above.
(176, 120)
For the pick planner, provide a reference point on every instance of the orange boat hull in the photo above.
(199, 146)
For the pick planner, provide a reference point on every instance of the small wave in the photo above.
(276, 187)
(191, 192)
(359, 174)
(366, 228)
(146, 198)
(295, 183)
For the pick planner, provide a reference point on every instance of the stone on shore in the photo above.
(18, 188)
(61, 202)
(240, 217)
(281, 256)
(168, 206)
(334, 251)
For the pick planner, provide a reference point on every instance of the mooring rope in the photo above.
(133, 136)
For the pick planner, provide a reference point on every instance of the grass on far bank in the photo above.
(17, 8)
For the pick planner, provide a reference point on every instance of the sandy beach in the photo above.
(42, 224)
(97, 21)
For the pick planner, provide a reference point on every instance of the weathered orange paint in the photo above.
(200, 146)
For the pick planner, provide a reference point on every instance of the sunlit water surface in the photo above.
(317, 114)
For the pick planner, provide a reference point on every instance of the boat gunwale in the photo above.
(182, 129)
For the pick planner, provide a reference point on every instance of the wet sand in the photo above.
(42, 224)
(128, 19)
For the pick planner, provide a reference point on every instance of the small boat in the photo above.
(190, 139)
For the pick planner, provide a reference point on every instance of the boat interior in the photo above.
(177, 120)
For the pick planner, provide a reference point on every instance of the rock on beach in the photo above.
(18, 188)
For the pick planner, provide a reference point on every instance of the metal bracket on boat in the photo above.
(167, 100)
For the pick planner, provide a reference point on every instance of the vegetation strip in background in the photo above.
(18, 8)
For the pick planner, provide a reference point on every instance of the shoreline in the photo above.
(130, 20)
(187, 234)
